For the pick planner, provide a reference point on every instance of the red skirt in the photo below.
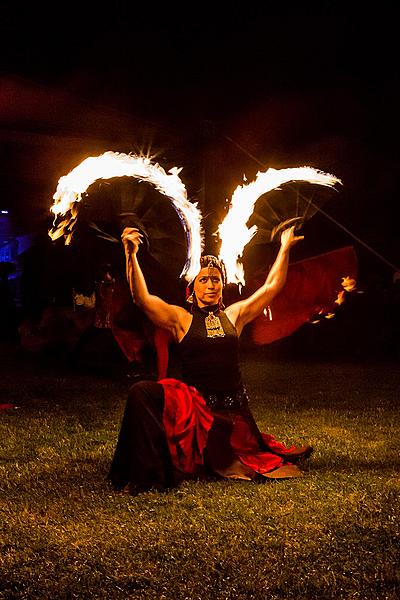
(192, 431)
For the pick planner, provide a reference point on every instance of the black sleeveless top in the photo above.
(210, 364)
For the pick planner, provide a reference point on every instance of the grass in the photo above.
(333, 534)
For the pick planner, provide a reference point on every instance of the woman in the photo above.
(200, 424)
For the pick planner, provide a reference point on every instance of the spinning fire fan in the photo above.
(103, 194)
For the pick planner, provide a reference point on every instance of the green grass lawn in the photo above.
(333, 534)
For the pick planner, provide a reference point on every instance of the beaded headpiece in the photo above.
(210, 261)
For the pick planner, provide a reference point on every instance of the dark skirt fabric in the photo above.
(142, 459)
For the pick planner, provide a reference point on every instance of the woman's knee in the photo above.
(145, 386)
(145, 392)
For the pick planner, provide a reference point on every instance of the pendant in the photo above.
(213, 326)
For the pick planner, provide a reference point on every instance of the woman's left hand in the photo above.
(289, 237)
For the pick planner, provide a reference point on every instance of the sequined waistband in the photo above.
(236, 400)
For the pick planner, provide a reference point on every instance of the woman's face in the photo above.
(208, 286)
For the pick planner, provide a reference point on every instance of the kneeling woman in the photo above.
(201, 424)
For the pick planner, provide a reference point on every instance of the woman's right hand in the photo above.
(131, 238)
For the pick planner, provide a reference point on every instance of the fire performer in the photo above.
(199, 425)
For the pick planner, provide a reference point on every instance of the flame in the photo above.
(233, 232)
(114, 164)
(348, 284)
(340, 299)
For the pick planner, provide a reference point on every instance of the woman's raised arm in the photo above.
(242, 312)
(161, 313)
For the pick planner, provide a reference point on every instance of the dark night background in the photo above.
(221, 97)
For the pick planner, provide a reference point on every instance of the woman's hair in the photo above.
(208, 260)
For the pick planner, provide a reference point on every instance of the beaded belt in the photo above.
(220, 401)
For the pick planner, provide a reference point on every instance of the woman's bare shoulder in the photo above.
(184, 318)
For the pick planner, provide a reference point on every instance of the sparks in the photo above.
(114, 164)
(233, 232)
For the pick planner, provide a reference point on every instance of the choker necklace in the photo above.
(213, 325)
